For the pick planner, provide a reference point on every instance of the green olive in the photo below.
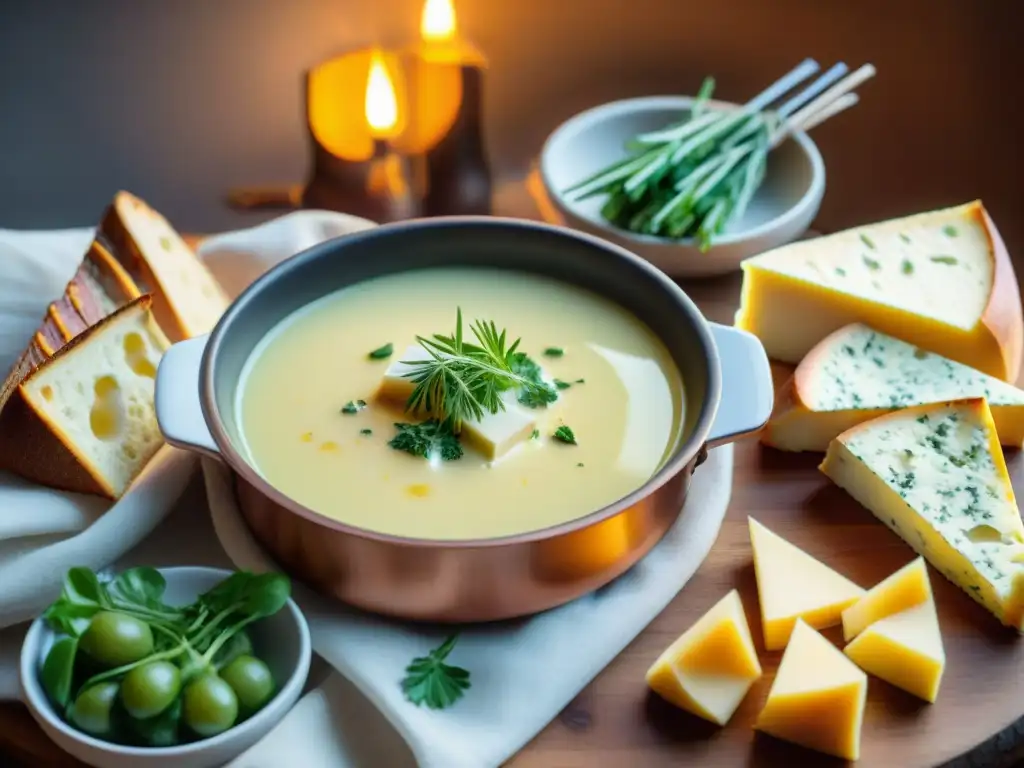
(148, 690)
(210, 706)
(114, 639)
(91, 710)
(251, 681)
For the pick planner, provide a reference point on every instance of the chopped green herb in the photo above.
(868, 242)
(428, 680)
(580, 381)
(382, 353)
(562, 384)
(840, 271)
(908, 267)
(427, 439)
(535, 434)
(949, 231)
(564, 434)
(537, 394)
(353, 406)
(580, 464)
(904, 238)
(365, 431)
(945, 259)
(871, 263)
(554, 352)
(165, 243)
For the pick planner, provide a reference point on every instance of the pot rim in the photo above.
(686, 451)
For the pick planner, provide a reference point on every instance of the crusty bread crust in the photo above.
(33, 448)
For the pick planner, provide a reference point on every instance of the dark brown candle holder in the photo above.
(435, 161)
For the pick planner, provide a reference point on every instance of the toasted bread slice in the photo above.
(84, 420)
(187, 300)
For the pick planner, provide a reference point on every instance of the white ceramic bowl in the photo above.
(282, 641)
(780, 212)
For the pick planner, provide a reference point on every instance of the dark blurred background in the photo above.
(178, 100)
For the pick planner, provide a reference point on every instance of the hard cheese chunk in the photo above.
(857, 374)
(494, 435)
(84, 419)
(941, 280)
(712, 665)
(817, 698)
(935, 474)
(904, 649)
(792, 585)
(906, 588)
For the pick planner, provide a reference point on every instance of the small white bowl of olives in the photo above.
(185, 667)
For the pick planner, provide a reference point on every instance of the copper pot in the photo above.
(728, 394)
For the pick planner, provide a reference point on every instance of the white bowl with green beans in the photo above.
(688, 183)
(178, 667)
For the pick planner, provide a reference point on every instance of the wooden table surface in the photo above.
(616, 722)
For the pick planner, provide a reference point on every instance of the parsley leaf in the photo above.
(382, 353)
(535, 393)
(565, 435)
(559, 384)
(427, 439)
(428, 680)
(365, 431)
(353, 406)
(554, 352)
(942, 259)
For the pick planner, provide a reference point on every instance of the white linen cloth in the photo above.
(523, 673)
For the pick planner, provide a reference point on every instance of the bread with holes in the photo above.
(83, 420)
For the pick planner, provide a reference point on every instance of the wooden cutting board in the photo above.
(616, 722)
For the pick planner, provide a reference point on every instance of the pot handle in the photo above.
(178, 410)
(747, 390)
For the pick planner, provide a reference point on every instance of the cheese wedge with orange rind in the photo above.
(792, 585)
(817, 698)
(708, 670)
(941, 280)
(857, 374)
(936, 476)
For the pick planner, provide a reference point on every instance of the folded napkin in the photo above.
(43, 530)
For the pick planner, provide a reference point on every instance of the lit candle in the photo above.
(387, 175)
(380, 104)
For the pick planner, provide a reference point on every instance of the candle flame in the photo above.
(438, 20)
(381, 102)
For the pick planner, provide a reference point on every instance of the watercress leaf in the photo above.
(82, 587)
(228, 593)
(142, 586)
(266, 595)
(58, 671)
(240, 644)
(70, 618)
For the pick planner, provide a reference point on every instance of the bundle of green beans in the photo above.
(688, 179)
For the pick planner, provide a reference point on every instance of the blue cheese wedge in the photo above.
(935, 474)
(494, 435)
(858, 373)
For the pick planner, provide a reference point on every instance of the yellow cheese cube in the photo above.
(817, 698)
(936, 476)
(904, 649)
(710, 668)
(494, 435)
(793, 585)
(941, 280)
(908, 587)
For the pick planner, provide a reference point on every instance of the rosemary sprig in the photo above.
(463, 380)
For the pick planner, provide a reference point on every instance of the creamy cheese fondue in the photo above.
(318, 424)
